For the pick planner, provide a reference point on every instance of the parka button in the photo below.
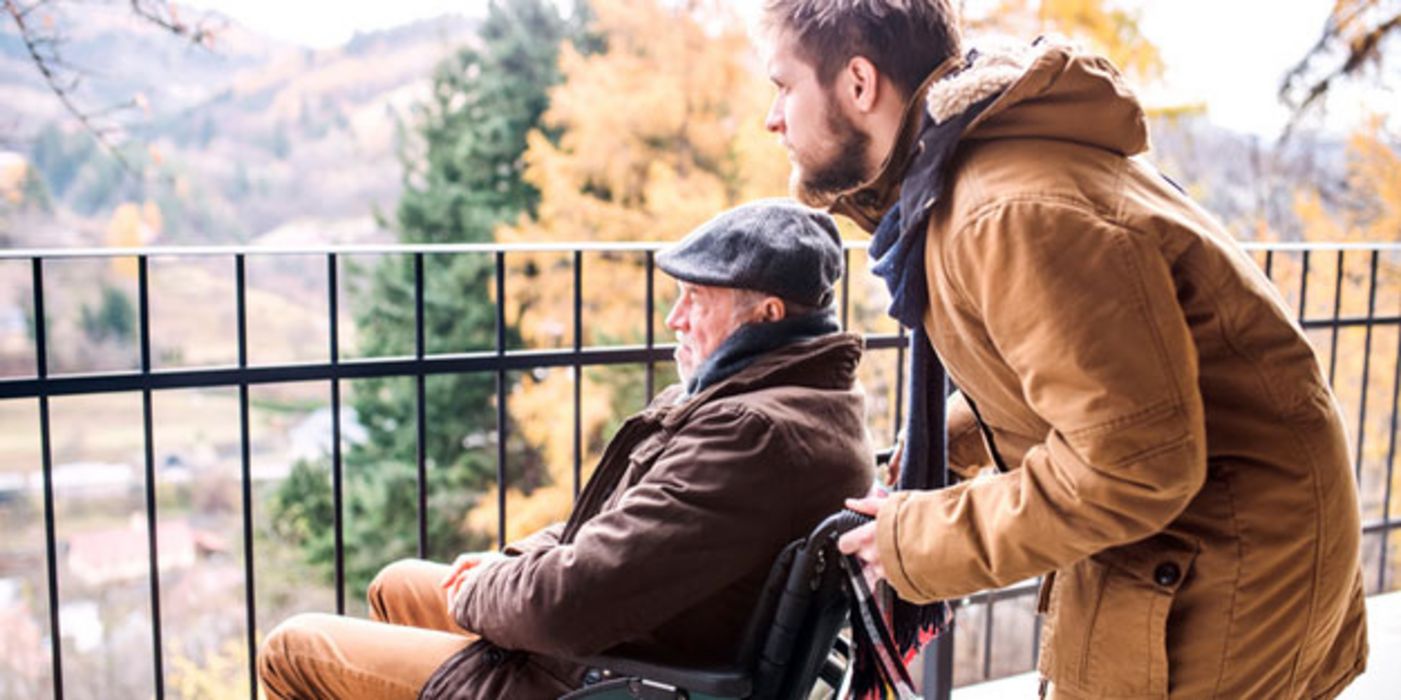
(1167, 574)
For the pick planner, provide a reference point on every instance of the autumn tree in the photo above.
(644, 139)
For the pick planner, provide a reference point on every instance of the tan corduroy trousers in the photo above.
(314, 655)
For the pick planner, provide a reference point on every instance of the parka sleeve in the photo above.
(689, 528)
(1085, 313)
(544, 537)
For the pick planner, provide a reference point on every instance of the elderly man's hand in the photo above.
(862, 540)
(463, 566)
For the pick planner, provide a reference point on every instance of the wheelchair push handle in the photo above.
(838, 524)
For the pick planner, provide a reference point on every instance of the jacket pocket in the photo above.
(1111, 616)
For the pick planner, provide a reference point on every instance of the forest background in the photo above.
(147, 123)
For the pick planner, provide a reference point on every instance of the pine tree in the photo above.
(462, 180)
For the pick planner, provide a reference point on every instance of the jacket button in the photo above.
(493, 656)
(1167, 574)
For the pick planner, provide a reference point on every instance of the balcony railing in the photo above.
(1368, 270)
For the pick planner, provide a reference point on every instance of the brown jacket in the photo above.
(670, 543)
(1175, 455)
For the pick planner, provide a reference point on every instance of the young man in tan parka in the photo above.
(1164, 448)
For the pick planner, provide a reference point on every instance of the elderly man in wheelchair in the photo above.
(670, 544)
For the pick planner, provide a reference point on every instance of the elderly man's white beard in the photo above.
(684, 371)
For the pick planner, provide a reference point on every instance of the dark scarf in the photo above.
(751, 340)
(897, 255)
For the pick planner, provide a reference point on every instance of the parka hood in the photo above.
(1048, 90)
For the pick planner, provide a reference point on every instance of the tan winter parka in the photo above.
(1177, 465)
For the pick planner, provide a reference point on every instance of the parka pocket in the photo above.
(1111, 618)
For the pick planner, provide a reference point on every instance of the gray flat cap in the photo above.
(775, 246)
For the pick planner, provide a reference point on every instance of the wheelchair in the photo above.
(791, 642)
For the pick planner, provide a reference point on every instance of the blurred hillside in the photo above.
(252, 140)
(259, 141)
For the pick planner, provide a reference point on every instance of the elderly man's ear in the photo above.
(772, 309)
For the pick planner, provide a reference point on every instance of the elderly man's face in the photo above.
(702, 319)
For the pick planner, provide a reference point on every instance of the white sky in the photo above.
(326, 23)
(1229, 54)
(1232, 54)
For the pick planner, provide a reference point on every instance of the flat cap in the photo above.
(775, 246)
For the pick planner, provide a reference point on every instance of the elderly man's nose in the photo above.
(675, 318)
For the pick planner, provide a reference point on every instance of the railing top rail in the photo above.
(391, 249)
(553, 247)
(1295, 246)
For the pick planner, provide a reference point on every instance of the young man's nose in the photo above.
(774, 121)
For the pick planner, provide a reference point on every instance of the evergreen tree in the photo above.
(461, 183)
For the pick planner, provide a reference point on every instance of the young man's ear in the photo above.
(863, 83)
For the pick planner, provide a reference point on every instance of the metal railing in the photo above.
(498, 362)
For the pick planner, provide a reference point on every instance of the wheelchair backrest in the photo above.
(803, 608)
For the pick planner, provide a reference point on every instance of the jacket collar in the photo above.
(827, 362)
(1046, 89)
(868, 202)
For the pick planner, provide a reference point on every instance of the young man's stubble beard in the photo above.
(818, 183)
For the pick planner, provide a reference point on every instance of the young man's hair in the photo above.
(905, 39)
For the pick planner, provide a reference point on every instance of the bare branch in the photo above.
(43, 44)
(1352, 38)
(167, 17)
(43, 54)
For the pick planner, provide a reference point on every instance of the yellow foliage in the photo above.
(131, 226)
(222, 676)
(658, 133)
(1372, 209)
(13, 173)
(1105, 25)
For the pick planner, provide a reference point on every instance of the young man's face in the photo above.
(827, 150)
(702, 319)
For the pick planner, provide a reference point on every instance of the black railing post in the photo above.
(900, 353)
(1390, 465)
(337, 466)
(500, 401)
(148, 427)
(651, 307)
(41, 366)
(578, 370)
(246, 475)
(1304, 289)
(420, 406)
(1337, 314)
(1366, 363)
(939, 656)
(846, 288)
